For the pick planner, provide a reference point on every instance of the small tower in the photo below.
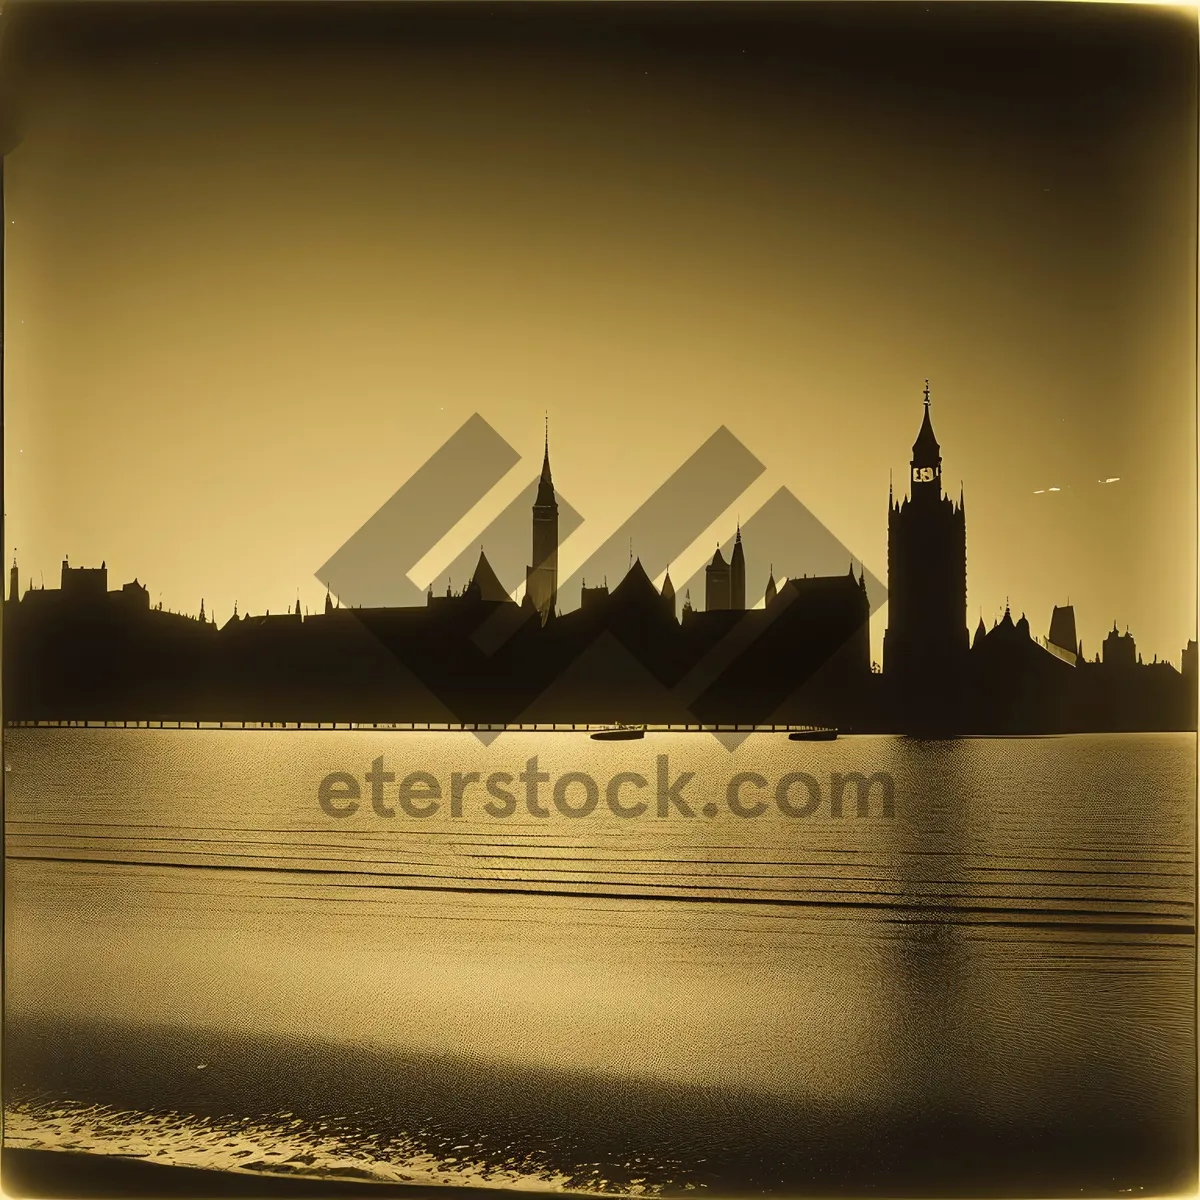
(772, 590)
(1187, 665)
(1062, 628)
(668, 594)
(203, 618)
(716, 583)
(737, 574)
(14, 595)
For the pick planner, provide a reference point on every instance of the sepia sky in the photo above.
(261, 262)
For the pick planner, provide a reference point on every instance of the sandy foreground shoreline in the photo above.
(57, 1174)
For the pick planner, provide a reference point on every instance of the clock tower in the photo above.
(924, 648)
(925, 469)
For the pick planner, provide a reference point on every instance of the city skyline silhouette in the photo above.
(504, 542)
(632, 651)
(601, 598)
(262, 348)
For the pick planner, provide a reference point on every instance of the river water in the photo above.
(989, 990)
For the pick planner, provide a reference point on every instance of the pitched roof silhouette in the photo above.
(635, 584)
(484, 584)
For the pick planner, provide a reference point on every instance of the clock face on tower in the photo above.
(923, 474)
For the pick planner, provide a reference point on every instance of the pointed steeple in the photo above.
(926, 451)
(737, 573)
(328, 600)
(203, 621)
(668, 593)
(545, 492)
(772, 589)
(541, 576)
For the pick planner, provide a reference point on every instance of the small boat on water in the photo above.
(813, 735)
(619, 733)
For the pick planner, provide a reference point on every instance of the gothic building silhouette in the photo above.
(925, 645)
(80, 651)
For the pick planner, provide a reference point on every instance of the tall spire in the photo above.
(737, 572)
(545, 492)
